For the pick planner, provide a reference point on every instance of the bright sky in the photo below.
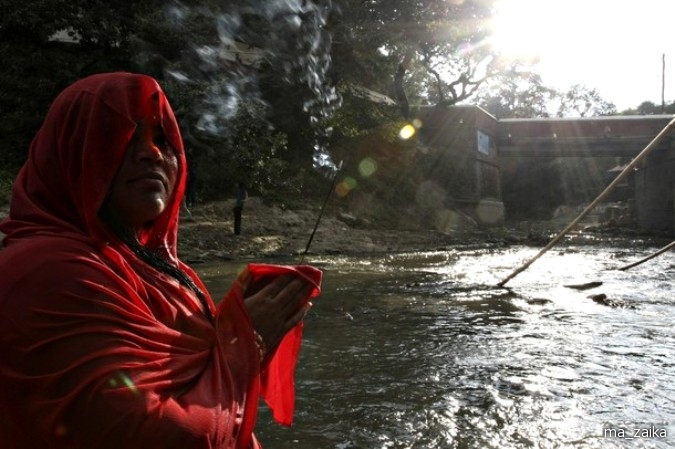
(613, 46)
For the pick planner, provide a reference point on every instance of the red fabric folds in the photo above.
(278, 371)
(97, 348)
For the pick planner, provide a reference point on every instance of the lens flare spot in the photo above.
(430, 195)
(61, 431)
(417, 123)
(490, 211)
(122, 379)
(446, 220)
(345, 186)
(367, 167)
(129, 383)
(407, 132)
(341, 191)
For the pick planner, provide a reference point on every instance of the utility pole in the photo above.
(663, 83)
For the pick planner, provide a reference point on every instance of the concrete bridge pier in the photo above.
(655, 192)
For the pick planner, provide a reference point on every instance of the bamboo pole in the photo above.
(625, 172)
(318, 219)
(649, 257)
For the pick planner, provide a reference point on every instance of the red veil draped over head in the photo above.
(97, 348)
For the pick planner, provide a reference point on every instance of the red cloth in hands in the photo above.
(277, 376)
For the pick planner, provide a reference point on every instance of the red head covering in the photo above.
(73, 159)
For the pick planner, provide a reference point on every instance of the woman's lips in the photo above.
(152, 176)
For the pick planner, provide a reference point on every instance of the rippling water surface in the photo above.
(421, 350)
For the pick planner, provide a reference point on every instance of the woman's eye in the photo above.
(164, 145)
(161, 140)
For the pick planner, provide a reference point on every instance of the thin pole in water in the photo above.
(318, 219)
(625, 172)
(649, 257)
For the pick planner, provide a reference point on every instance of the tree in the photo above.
(581, 101)
(521, 94)
(46, 45)
(269, 58)
(441, 44)
(516, 94)
(189, 50)
(648, 108)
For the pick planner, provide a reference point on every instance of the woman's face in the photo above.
(145, 181)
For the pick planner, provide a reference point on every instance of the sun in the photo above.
(560, 36)
(517, 28)
(560, 28)
(616, 46)
(567, 28)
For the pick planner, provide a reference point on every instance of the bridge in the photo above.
(474, 148)
(622, 136)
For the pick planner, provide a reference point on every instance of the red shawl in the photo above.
(97, 348)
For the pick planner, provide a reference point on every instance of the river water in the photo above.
(421, 350)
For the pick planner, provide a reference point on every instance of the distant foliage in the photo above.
(517, 93)
(581, 101)
(520, 93)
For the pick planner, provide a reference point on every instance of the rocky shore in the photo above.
(268, 231)
(271, 231)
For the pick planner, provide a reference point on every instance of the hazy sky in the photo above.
(613, 46)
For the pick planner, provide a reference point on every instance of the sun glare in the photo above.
(576, 27)
(573, 28)
(606, 44)
(515, 24)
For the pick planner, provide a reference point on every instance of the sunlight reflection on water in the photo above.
(421, 350)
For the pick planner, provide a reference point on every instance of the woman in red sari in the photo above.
(107, 340)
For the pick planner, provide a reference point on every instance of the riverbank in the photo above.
(270, 231)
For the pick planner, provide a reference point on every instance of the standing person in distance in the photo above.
(240, 197)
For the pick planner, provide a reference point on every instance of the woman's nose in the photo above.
(149, 151)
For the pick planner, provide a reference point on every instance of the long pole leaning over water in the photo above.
(649, 257)
(318, 219)
(625, 172)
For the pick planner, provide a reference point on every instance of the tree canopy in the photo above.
(262, 86)
(426, 49)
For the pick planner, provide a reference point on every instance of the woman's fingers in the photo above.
(284, 294)
(292, 295)
(273, 287)
(298, 316)
(278, 307)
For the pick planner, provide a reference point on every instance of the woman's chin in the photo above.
(155, 206)
(147, 210)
